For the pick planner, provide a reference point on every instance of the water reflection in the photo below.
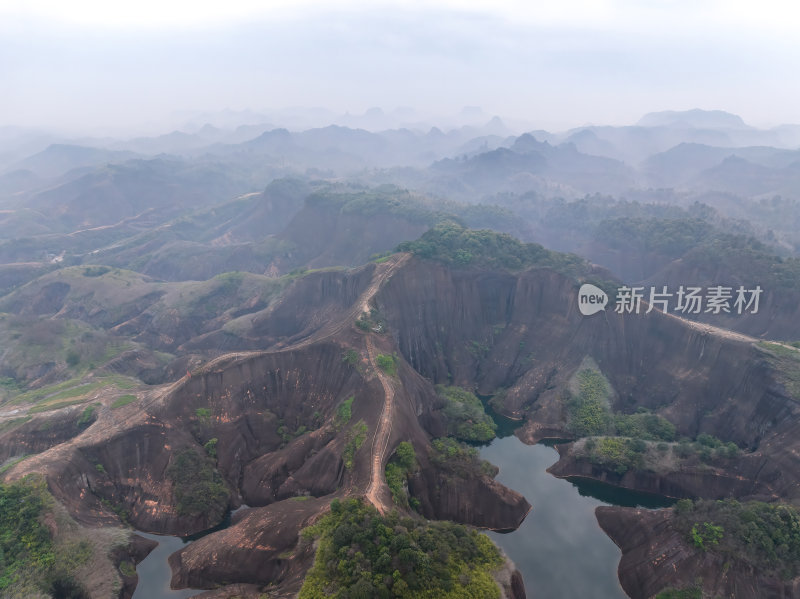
(559, 549)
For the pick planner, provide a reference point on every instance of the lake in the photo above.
(559, 549)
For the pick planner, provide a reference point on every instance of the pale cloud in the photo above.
(776, 16)
(556, 64)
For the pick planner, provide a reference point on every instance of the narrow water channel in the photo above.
(154, 571)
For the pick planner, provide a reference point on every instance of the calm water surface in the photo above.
(560, 549)
(154, 571)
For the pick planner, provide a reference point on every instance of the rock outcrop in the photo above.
(655, 557)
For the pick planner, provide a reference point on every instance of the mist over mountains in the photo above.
(289, 309)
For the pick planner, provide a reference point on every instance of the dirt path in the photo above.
(377, 491)
(383, 273)
(715, 331)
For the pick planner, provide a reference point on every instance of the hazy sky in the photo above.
(555, 64)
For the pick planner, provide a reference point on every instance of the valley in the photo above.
(317, 351)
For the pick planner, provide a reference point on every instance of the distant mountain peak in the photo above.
(695, 118)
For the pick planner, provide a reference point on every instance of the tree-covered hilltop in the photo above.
(703, 246)
(748, 260)
(456, 245)
(669, 236)
(364, 555)
(384, 199)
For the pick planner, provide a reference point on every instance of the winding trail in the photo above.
(378, 493)
(112, 423)
(383, 273)
(377, 490)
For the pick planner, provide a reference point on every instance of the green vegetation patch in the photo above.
(198, 487)
(54, 396)
(466, 418)
(456, 245)
(384, 199)
(401, 464)
(616, 453)
(786, 361)
(344, 412)
(459, 458)
(765, 536)
(32, 564)
(670, 237)
(355, 439)
(59, 391)
(644, 425)
(127, 569)
(387, 363)
(123, 400)
(753, 260)
(87, 417)
(25, 541)
(621, 454)
(351, 358)
(589, 411)
(364, 554)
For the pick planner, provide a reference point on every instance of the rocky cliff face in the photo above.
(524, 333)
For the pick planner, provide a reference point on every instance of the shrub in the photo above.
(401, 464)
(387, 363)
(764, 536)
(708, 441)
(86, 417)
(706, 535)
(198, 487)
(73, 358)
(350, 357)
(588, 411)
(617, 453)
(344, 412)
(465, 416)
(460, 458)
(644, 426)
(211, 448)
(355, 439)
(25, 545)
